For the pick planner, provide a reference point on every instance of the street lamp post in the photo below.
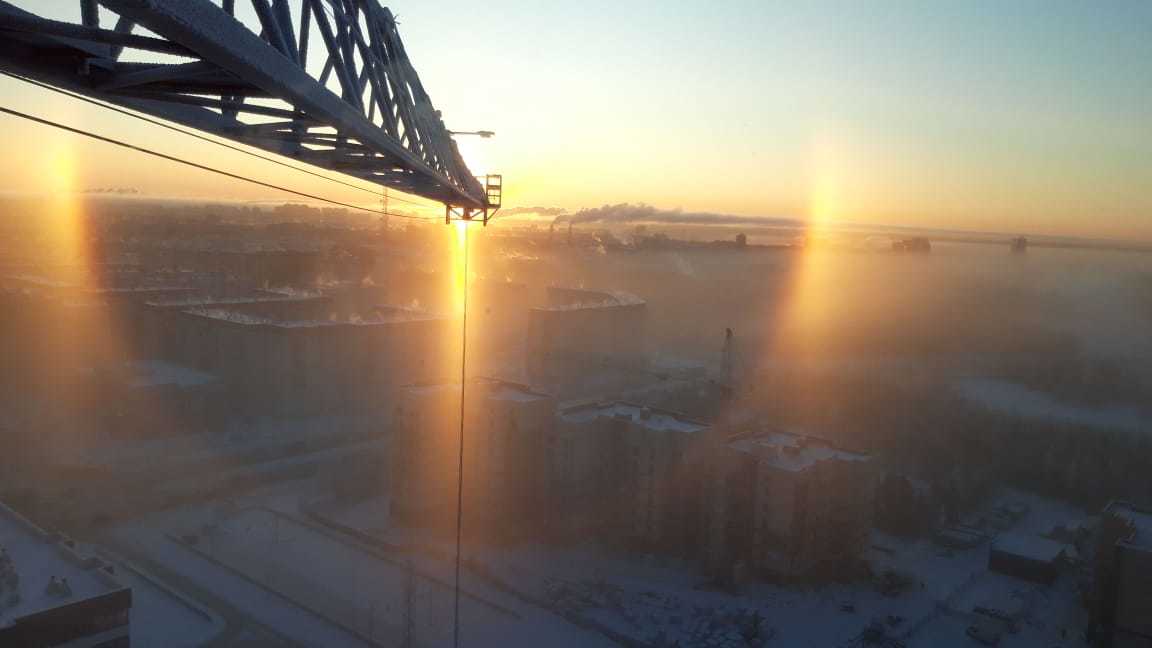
(493, 189)
(480, 133)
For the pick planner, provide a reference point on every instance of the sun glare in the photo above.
(806, 322)
(65, 210)
(459, 266)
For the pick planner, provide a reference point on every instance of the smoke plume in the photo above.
(629, 213)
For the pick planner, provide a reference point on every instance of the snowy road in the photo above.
(259, 604)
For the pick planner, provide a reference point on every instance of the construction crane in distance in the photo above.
(357, 108)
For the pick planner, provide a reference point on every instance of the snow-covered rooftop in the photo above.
(502, 390)
(587, 299)
(1026, 545)
(155, 372)
(380, 316)
(36, 557)
(211, 301)
(793, 452)
(142, 289)
(650, 418)
(493, 388)
(42, 281)
(431, 388)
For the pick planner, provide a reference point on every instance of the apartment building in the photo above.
(505, 429)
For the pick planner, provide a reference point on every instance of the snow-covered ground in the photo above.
(283, 569)
(163, 618)
(661, 602)
(362, 590)
(1012, 398)
(312, 585)
(149, 538)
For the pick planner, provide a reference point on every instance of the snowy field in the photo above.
(265, 596)
(317, 587)
(321, 587)
(661, 603)
(375, 597)
(1011, 398)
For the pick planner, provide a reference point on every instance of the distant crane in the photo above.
(327, 82)
(728, 361)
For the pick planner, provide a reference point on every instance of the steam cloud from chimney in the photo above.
(641, 213)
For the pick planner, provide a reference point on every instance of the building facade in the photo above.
(294, 367)
(505, 429)
(630, 472)
(788, 506)
(586, 342)
(1123, 590)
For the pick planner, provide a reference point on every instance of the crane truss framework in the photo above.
(361, 111)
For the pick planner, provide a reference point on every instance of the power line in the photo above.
(460, 463)
(109, 140)
(156, 122)
(164, 156)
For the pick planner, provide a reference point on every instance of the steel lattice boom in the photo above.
(360, 110)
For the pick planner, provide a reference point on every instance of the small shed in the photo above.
(1027, 557)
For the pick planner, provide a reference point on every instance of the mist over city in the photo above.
(657, 325)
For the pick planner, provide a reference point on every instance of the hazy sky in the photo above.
(1005, 115)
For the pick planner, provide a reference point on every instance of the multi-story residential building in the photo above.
(586, 343)
(317, 365)
(505, 428)
(633, 472)
(1123, 589)
(787, 505)
(50, 596)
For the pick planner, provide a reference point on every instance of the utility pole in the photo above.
(408, 586)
